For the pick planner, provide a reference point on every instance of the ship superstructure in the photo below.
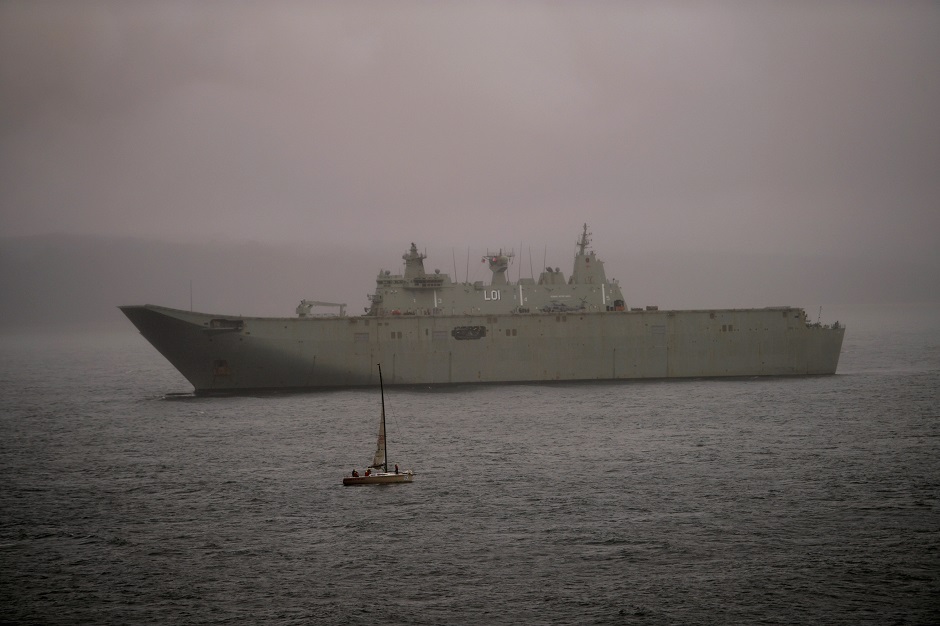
(416, 292)
(427, 329)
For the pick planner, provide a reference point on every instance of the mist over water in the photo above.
(77, 283)
(803, 500)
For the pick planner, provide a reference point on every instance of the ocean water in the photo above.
(745, 501)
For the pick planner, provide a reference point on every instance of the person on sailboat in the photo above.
(355, 473)
(396, 468)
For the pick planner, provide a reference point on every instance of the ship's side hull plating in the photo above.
(236, 354)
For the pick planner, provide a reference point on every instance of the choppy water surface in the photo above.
(811, 500)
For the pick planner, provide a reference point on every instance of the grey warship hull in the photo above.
(225, 354)
(426, 329)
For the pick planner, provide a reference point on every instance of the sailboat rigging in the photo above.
(380, 458)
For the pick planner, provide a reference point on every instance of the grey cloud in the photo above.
(805, 129)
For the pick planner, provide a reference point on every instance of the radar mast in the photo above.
(584, 241)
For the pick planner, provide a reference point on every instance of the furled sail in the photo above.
(378, 460)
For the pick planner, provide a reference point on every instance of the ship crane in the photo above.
(303, 309)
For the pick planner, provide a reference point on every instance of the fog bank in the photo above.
(71, 282)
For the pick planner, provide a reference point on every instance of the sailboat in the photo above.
(378, 473)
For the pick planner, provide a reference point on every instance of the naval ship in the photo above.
(427, 329)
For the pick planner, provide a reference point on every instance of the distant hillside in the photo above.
(71, 282)
(77, 282)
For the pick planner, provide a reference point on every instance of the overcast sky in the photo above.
(808, 128)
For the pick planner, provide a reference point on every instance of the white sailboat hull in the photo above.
(380, 478)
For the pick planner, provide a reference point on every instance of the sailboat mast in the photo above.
(384, 445)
